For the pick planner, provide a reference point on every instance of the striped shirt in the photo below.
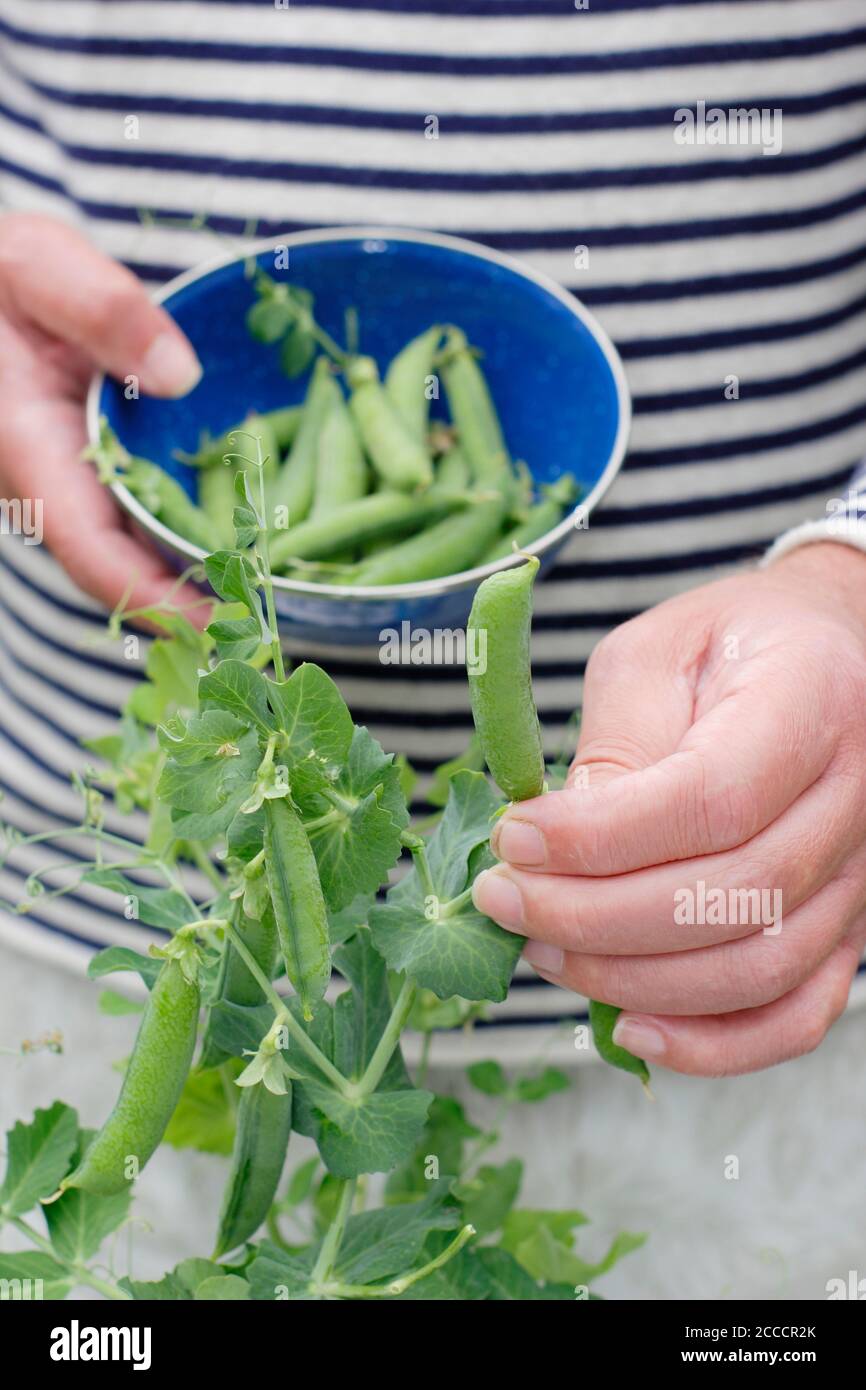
(707, 264)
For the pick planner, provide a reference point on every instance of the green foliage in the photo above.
(298, 818)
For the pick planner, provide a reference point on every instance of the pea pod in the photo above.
(542, 517)
(401, 460)
(341, 472)
(151, 1088)
(500, 684)
(167, 501)
(380, 514)
(602, 1018)
(299, 907)
(217, 499)
(285, 422)
(449, 547)
(452, 471)
(473, 412)
(293, 487)
(406, 381)
(264, 1125)
(235, 984)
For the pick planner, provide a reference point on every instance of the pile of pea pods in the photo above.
(364, 488)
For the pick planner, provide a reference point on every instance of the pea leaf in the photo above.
(204, 1118)
(234, 579)
(236, 1028)
(275, 1275)
(115, 1005)
(489, 1195)
(236, 687)
(357, 1136)
(522, 1223)
(37, 1275)
(301, 1183)
(269, 319)
(365, 1136)
(465, 824)
(507, 1280)
(310, 710)
(38, 1156)
(471, 758)
(157, 907)
(443, 1139)
(602, 1018)
(223, 1288)
(356, 851)
(202, 736)
(78, 1223)
(343, 925)
(123, 958)
(488, 1077)
(206, 797)
(381, 1244)
(465, 953)
(236, 639)
(297, 351)
(180, 1283)
(533, 1088)
(172, 669)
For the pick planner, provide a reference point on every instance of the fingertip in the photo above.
(170, 367)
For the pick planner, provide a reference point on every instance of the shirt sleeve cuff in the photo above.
(847, 529)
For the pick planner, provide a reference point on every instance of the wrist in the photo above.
(828, 570)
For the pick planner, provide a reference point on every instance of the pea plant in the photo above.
(297, 818)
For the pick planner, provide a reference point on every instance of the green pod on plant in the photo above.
(292, 490)
(602, 1018)
(152, 1083)
(479, 432)
(542, 517)
(406, 381)
(299, 906)
(264, 1125)
(167, 501)
(449, 547)
(500, 683)
(235, 984)
(371, 518)
(401, 460)
(341, 469)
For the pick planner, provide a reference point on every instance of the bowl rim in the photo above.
(427, 588)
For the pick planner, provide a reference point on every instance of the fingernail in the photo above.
(170, 367)
(544, 958)
(643, 1039)
(497, 897)
(518, 842)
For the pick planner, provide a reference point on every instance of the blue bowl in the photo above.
(556, 379)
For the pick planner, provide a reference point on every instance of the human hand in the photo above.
(66, 310)
(723, 742)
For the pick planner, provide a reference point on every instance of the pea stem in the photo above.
(321, 822)
(285, 1015)
(263, 553)
(455, 905)
(387, 1043)
(418, 850)
(201, 858)
(82, 1274)
(333, 1238)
